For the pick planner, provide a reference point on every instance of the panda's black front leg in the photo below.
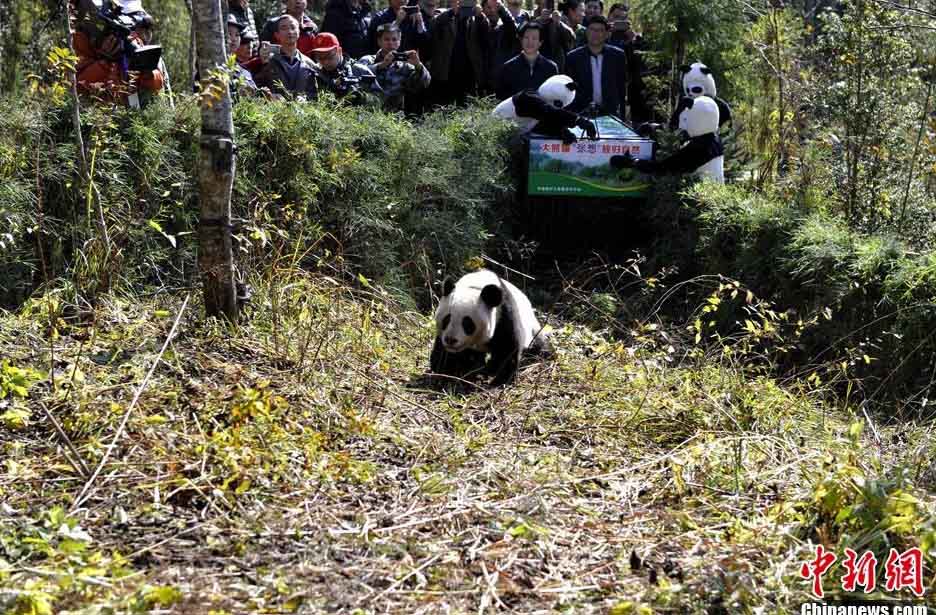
(437, 358)
(504, 366)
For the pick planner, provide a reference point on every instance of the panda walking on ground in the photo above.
(702, 154)
(543, 110)
(484, 314)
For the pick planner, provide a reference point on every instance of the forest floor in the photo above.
(303, 463)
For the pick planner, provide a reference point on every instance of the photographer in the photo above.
(398, 73)
(558, 38)
(307, 28)
(114, 61)
(286, 71)
(501, 43)
(346, 79)
(349, 22)
(633, 44)
(458, 52)
(407, 18)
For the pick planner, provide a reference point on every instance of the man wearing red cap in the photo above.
(288, 72)
(345, 78)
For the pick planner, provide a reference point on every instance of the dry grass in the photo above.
(304, 464)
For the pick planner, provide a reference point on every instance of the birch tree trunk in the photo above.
(215, 169)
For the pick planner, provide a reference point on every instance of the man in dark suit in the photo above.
(528, 69)
(600, 71)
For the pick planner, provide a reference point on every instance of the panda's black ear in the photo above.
(571, 86)
(685, 68)
(492, 295)
(447, 287)
(706, 70)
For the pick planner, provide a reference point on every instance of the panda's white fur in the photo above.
(555, 90)
(483, 313)
(699, 120)
(698, 81)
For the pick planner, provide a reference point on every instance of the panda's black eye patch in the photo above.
(446, 321)
(468, 325)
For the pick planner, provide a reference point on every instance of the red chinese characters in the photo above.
(904, 570)
(814, 569)
(859, 571)
(901, 570)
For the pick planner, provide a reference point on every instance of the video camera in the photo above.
(100, 18)
(346, 84)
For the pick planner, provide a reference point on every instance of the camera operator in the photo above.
(501, 42)
(408, 19)
(346, 79)
(106, 46)
(398, 72)
(287, 71)
(307, 28)
(633, 44)
(458, 64)
(558, 38)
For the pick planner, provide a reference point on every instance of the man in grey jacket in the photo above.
(289, 72)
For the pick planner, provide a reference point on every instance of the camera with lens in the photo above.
(101, 18)
(400, 55)
(347, 84)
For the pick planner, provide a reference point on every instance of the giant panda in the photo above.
(702, 154)
(697, 80)
(484, 314)
(543, 110)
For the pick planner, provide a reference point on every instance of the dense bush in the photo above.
(399, 201)
(878, 294)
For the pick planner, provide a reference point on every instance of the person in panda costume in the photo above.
(697, 80)
(483, 314)
(543, 110)
(702, 155)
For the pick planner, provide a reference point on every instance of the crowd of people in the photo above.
(412, 55)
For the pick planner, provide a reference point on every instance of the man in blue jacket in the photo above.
(600, 70)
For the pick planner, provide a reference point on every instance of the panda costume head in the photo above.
(482, 313)
(698, 116)
(558, 91)
(697, 80)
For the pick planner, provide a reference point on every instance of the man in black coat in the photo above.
(529, 69)
(600, 70)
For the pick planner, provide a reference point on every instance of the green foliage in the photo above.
(397, 200)
(873, 292)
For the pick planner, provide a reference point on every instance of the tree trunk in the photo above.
(215, 169)
(192, 63)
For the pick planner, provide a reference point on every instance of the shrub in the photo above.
(397, 200)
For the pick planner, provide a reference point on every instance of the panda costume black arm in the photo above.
(702, 153)
(552, 121)
(692, 155)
